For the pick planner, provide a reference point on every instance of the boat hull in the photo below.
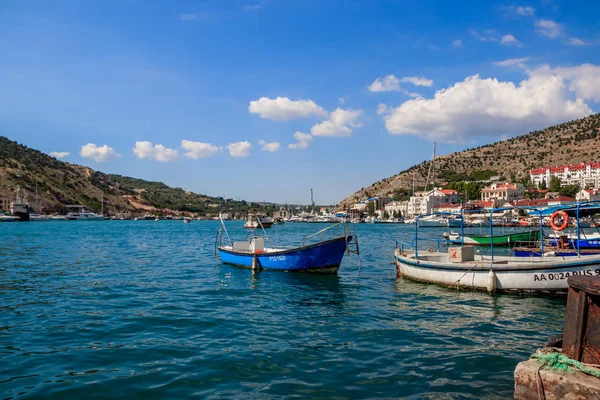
(500, 240)
(584, 243)
(535, 275)
(324, 257)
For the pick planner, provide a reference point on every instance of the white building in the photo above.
(588, 195)
(503, 191)
(584, 174)
(424, 202)
(399, 207)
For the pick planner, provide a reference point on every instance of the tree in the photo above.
(386, 215)
(542, 185)
(554, 184)
(371, 208)
(569, 190)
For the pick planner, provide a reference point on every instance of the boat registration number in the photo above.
(277, 258)
(556, 276)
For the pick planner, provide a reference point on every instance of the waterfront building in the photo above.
(503, 191)
(4, 204)
(424, 202)
(398, 207)
(584, 174)
(282, 213)
(451, 208)
(588, 195)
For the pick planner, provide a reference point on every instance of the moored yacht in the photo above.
(79, 213)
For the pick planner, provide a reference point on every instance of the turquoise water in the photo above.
(142, 309)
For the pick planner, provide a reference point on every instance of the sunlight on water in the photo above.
(139, 309)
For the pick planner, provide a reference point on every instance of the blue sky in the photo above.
(190, 92)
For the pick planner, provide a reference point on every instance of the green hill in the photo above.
(49, 184)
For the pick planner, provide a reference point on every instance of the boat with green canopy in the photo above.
(506, 239)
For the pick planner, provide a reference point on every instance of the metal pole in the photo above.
(417, 237)
(578, 231)
(492, 234)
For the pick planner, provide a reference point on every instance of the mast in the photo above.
(312, 203)
(431, 168)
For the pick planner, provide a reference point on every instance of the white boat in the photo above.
(253, 221)
(433, 221)
(462, 267)
(8, 218)
(503, 273)
(79, 213)
(187, 220)
(39, 217)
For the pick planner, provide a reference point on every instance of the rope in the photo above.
(560, 362)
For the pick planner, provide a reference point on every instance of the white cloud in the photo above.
(391, 83)
(576, 42)
(488, 107)
(284, 109)
(584, 80)
(197, 150)
(98, 154)
(548, 28)
(513, 62)
(489, 35)
(254, 6)
(158, 152)
(527, 11)
(302, 141)
(239, 149)
(418, 80)
(60, 154)
(381, 109)
(340, 123)
(343, 100)
(270, 147)
(510, 40)
(386, 84)
(457, 43)
(187, 17)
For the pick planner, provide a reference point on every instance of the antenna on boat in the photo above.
(312, 203)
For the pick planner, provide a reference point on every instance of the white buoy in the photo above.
(491, 282)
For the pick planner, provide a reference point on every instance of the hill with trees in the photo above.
(568, 143)
(49, 184)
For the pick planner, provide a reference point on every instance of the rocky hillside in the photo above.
(568, 143)
(58, 183)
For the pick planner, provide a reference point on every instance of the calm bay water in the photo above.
(142, 309)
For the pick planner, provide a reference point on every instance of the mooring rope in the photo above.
(560, 362)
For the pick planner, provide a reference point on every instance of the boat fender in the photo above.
(565, 218)
(550, 254)
(491, 282)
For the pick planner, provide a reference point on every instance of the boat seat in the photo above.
(241, 246)
(257, 245)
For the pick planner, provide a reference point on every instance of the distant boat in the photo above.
(187, 220)
(506, 239)
(323, 257)
(253, 221)
(19, 208)
(8, 218)
(433, 221)
(585, 240)
(79, 213)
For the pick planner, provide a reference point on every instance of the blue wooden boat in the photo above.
(324, 256)
(552, 252)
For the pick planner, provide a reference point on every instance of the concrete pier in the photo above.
(562, 373)
(552, 384)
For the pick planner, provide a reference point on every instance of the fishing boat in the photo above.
(432, 221)
(187, 220)
(552, 251)
(507, 239)
(461, 267)
(256, 220)
(323, 256)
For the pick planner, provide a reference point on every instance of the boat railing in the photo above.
(416, 239)
(344, 228)
(413, 245)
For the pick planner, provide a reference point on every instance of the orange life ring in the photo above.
(564, 224)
